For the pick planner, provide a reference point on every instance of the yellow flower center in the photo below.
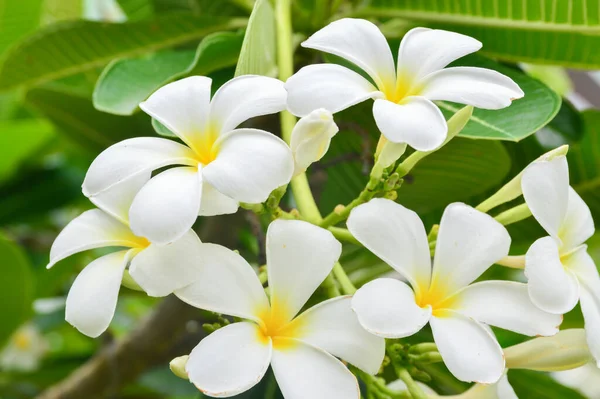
(436, 297)
(403, 87)
(275, 326)
(140, 242)
(204, 146)
(22, 341)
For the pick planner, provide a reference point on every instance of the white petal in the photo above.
(423, 51)
(243, 98)
(417, 122)
(468, 243)
(360, 42)
(479, 87)
(132, 157)
(183, 107)
(92, 229)
(386, 307)
(581, 263)
(92, 299)
(500, 390)
(225, 284)
(506, 304)
(161, 269)
(396, 235)
(117, 200)
(304, 371)
(333, 327)
(311, 137)
(328, 86)
(545, 186)
(299, 257)
(214, 203)
(590, 307)
(470, 352)
(578, 224)
(229, 361)
(250, 164)
(167, 206)
(551, 287)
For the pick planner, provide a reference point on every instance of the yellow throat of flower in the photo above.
(275, 325)
(402, 88)
(435, 296)
(204, 146)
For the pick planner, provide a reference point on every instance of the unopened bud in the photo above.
(311, 138)
(177, 366)
(388, 153)
(564, 351)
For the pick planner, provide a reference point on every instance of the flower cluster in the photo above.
(150, 191)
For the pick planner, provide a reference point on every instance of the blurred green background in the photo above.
(73, 71)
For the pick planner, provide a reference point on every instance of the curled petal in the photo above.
(311, 138)
(328, 86)
(304, 371)
(479, 87)
(470, 352)
(251, 163)
(417, 122)
(214, 203)
(386, 307)
(92, 299)
(360, 42)
(551, 287)
(117, 200)
(229, 361)
(578, 224)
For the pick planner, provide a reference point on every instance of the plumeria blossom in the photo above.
(24, 349)
(300, 349)
(468, 243)
(559, 269)
(219, 165)
(500, 390)
(311, 137)
(158, 269)
(403, 108)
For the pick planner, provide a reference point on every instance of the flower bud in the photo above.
(564, 351)
(177, 366)
(389, 152)
(311, 138)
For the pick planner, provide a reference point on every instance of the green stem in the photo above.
(347, 287)
(330, 286)
(343, 235)
(515, 262)
(514, 215)
(414, 389)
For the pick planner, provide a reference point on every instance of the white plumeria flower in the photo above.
(300, 349)
(24, 350)
(500, 390)
(403, 109)
(311, 138)
(158, 269)
(559, 269)
(221, 165)
(468, 243)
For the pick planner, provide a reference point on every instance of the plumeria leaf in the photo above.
(137, 9)
(521, 119)
(54, 53)
(545, 31)
(258, 51)
(535, 384)
(17, 19)
(16, 295)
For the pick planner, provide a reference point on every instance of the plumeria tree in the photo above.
(270, 199)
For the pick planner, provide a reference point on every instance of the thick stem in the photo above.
(514, 215)
(347, 287)
(515, 262)
(414, 389)
(344, 235)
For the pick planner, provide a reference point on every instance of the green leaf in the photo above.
(584, 163)
(540, 31)
(534, 384)
(19, 139)
(77, 118)
(458, 171)
(137, 9)
(70, 48)
(16, 295)
(521, 119)
(61, 10)
(258, 51)
(127, 82)
(162, 129)
(17, 19)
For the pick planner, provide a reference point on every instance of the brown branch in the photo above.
(162, 336)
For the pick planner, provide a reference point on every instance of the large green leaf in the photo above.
(137, 9)
(258, 51)
(460, 170)
(16, 293)
(563, 32)
(127, 82)
(73, 47)
(534, 384)
(521, 119)
(77, 118)
(19, 139)
(17, 19)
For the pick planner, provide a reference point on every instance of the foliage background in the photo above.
(73, 71)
